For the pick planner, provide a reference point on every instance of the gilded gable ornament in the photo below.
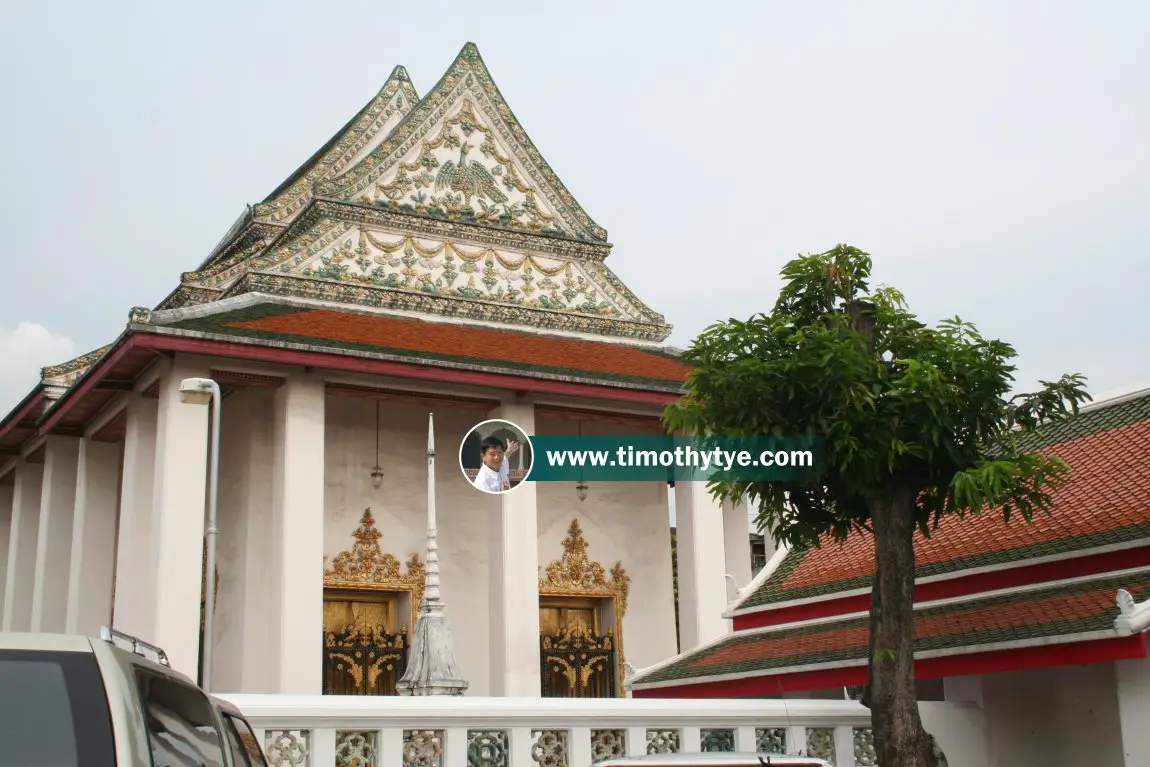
(575, 572)
(367, 566)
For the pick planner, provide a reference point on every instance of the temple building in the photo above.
(425, 261)
(1042, 625)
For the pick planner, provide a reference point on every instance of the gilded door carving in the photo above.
(577, 658)
(363, 653)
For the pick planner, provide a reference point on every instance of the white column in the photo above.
(1133, 683)
(701, 550)
(514, 568)
(6, 497)
(22, 547)
(93, 538)
(737, 544)
(298, 513)
(54, 535)
(258, 673)
(178, 510)
(133, 588)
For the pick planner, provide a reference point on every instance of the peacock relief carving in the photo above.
(469, 178)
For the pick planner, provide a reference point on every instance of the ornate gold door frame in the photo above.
(366, 567)
(576, 576)
(376, 646)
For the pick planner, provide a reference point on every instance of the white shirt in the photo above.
(491, 481)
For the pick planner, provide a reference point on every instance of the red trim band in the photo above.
(19, 415)
(397, 369)
(1017, 659)
(158, 342)
(1005, 578)
(92, 378)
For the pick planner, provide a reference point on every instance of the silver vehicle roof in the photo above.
(80, 643)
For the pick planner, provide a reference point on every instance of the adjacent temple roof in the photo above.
(419, 208)
(982, 587)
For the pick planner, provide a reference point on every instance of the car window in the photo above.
(53, 711)
(179, 721)
(244, 745)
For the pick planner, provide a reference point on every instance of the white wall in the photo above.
(1133, 680)
(400, 506)
(243, 608)
(1054, 717)
(6, 493)
(622, 522)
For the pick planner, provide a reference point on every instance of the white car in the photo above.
(75, 701)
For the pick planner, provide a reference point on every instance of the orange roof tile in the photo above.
(1106, 500)
(451, 340)
(1031, 616)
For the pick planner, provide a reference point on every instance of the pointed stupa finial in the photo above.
(431, 593)
(431, 664)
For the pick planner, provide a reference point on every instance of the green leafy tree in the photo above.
(916, 423)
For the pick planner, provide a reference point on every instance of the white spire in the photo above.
(431, 593)
(431, 666)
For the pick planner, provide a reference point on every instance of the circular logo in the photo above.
(496, 456)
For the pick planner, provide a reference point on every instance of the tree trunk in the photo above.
(900, 740)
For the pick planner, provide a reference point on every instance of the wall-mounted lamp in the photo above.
(376, 471)
(581, 487)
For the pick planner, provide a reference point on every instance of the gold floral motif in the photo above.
(575, 574)
(367, 566)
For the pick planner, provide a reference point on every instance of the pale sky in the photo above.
(992, 156)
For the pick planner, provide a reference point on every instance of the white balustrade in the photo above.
(332, 731)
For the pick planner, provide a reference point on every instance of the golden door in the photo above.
(363, 652)
(577, 658)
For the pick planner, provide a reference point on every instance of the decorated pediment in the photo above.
(461, 155)
(67, 373)
(357, 140)
(450, 269)
(575, 573)
(367, 565)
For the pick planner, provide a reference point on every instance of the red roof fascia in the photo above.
(91, 378)
(31, 402)
(996, 661)
(1010, 577)
(398, 369)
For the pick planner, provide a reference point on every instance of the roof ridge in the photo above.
(398, 74)
(1115, 399)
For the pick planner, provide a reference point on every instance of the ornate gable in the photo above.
(441, 207)
(60, 377)
(344, 151)
(453, 268)
(461, 155)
